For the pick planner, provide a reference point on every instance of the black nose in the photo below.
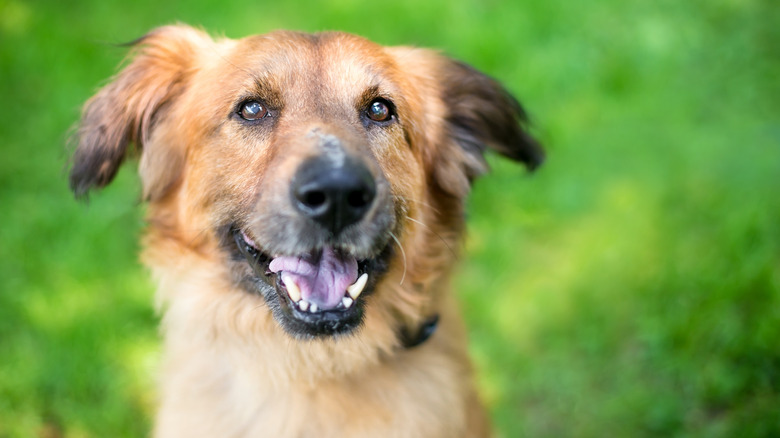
(335, 195)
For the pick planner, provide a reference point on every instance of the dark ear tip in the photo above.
(86, 174)
(79, 187)
(527, 151)
(93, 168)
(81, 197)
(535, 156)
(534, 164)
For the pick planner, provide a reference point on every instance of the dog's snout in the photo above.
(335, 195)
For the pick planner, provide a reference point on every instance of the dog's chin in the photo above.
(303, 309)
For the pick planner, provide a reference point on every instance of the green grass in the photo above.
(630, 288)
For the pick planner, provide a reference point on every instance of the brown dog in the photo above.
(306, 196)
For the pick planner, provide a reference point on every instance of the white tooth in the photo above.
(355, 290)
(292, 289)
(304, 305)
(347, 302)
(313, 308)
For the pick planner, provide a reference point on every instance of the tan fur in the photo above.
(229, 369)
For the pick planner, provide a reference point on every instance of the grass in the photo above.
(629, 288)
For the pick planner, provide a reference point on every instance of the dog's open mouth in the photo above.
(321, 292)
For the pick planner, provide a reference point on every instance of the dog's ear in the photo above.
(467, 112)
(481, 113)
(125, 111)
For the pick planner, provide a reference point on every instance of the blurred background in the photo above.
(629, 288)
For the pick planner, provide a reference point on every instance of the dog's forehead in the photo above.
(328, 63)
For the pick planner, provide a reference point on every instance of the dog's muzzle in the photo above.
(321, 290)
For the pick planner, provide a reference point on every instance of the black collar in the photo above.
(411, 339)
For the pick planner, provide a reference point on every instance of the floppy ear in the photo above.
(126, 110)
(482, 113)
(476, 113)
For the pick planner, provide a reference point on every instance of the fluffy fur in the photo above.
(232, 368)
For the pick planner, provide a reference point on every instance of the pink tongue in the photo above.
(322, 282)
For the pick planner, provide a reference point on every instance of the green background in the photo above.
(630, 288)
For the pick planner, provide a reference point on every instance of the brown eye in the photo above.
(253, 110)
(379, 111)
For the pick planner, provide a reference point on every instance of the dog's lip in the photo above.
(247, 246)
(286, 281)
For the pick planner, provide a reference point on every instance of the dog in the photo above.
(305, 198)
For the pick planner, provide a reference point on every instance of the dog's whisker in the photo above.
(198, 235)
(422, 203)
(403, 256)
(443, 240)
(227, 61)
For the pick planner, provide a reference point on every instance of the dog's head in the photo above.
(317, 167)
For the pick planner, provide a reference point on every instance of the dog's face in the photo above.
(314, 164)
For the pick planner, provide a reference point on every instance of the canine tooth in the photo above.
(292, 289)
(355, 290)
(347, 302)
(304, 305)
(313, 308)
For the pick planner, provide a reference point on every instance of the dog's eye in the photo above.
(253, 110)
(380, 110)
